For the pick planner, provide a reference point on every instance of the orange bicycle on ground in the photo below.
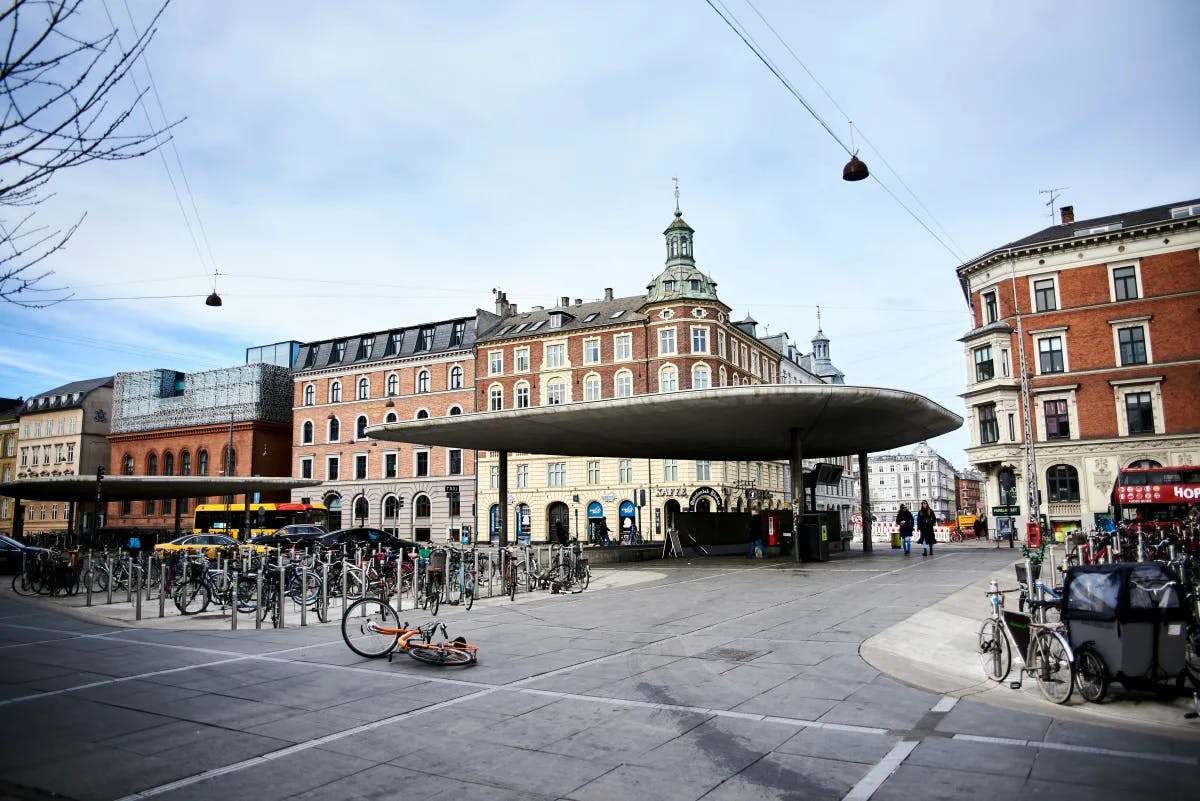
(372, 629)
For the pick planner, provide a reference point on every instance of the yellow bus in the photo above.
(265, 518)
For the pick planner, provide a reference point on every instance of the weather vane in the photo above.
(676, 181)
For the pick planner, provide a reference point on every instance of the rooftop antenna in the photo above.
(818, 318)
(678, 213)
(1054, 195)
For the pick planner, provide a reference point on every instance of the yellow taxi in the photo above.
(207, 544)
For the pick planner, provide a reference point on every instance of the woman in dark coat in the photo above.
(904, 520)
(925, 521)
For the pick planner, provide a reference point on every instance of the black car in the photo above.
(11, 553)
(367, 537)
(297, 534)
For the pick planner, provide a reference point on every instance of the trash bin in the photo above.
(812, 543)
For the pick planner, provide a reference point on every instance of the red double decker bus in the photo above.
(1156, 493)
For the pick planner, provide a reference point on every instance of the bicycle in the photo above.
(371, 628)
(957, 534)
(204, 584)
(1042, 648)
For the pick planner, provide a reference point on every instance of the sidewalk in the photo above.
(936, 649)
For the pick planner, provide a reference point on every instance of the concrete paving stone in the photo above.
(972, 717)
(400, 699)
(381, 782)
(1005, 760)
(19, 671)
(792, 652)
(790, 777)
(843, 746)
(848, 666)
(883, 707)
(96, 773)
(626, 736)
(138, 694)
(1070, 790)
(1104, 772)
(661, 782)
(217, 747)
(317, 690)
(710, 692)
(909, 782)
(1076, 733)
(62, 681)
(310, 725)
(63, 716)
(787, 701)
(589, 677)
(507, 766)
(217, 678)
(165, 737)
(279, 778)
(237, 713)
(549, 724)
(720, 747)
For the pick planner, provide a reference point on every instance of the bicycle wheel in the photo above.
(362, 624)
(247, 600)
(22, 585)
(356, 583)
(191, 598)
(434, 597)
(97, 578)
(1052, 667)
(304, 587)
(469, 591)
(1091, 671)
(994, 653)
(583, 576)
(443, 654)
(1191, 654)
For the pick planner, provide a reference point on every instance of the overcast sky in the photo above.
(363, 165)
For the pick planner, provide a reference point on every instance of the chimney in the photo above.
(578, 301)
(566, 301)
(608, 293)
(501, 303)
(1068, 215)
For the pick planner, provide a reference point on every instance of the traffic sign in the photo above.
(1006, 511)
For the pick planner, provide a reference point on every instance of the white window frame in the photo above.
(670, 470)
(622, 347)
(703, 470)
(563, 395)
(1151, 384)
(366, 465)
(1050, 333)
(983, 305)
(591, 350)
(392, 385)
(1053, 278)
(394, 457)
(702, 332)
(625, 471)
(455, 380)
(306, 462)
(668, 370)
(495, 362)
(1066, 393)
(554, 356)
(521, 392)
(521, 360)
(697, 369)
(522, 476)
(593, 387)
(495, 398)
(556, 474)
(593, 471)
(721, 343)
(333, 459)
(1136, 264)
(450, 462)
(1142, 322)
(623, 384)
(416, 455)
(668, 344)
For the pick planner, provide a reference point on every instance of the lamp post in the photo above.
(1030, 457)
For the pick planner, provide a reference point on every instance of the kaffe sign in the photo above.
(1158, 493)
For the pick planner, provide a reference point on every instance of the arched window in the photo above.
(152, 464)
(361, 510)
(360, 427)
(422, 414)
(521, 399)
(455, 410)
(185, 463)
(591, 387)
(623, 384)
(701, 377)
(668, 379)
(1145, 463)
(456, 377)
(1062, 483)
(127, 464)
(335, 429)
(335, 392)
(310, 395)
(229, 461)
(168, 464)
(202, 462)
(556, 392)
(421, 506)
(391, 513)
(423, 381)
(721, 378)
(393, 385)
(306, 433)
(495, 398)
(390, 418)
(364, 388)
(1008, 486)
(333, 505)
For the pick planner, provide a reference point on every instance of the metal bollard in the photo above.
(279, 596)
(128, 578)
(162, 588)
(302, 574)
(258, 578)
(323, 600)
(236, 569)
(87, 576)
(108, 566)
(345, 580)
(136, 575)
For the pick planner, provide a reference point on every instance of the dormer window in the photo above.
(669, 286)
(457, 333)
(364, 348)
(311, 358)
(616, 314)
(1180, 212)
(695, 284)
(590, 317)
(394, 343)
(425, 338)
(337, 353)
(557, 320)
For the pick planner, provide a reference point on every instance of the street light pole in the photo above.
(1030, 457)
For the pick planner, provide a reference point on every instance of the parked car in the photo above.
(208, 544)
(367, 537)
(297, 534)
(11, 553)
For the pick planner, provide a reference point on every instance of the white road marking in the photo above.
(946, 703)
(877, 775)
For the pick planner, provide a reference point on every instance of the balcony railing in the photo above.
(1071, 509)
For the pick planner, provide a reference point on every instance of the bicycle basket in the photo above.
(1019, 567)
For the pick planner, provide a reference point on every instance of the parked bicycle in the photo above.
(1041, 647)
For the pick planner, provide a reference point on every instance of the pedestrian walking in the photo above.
(904, 520)
(600, 532)
(560, 533)
(925, 521)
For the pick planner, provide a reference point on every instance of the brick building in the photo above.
(10, 410)
(968, 488)
(341, 386)
(676, 337)
(1107, 308)
(167, 423)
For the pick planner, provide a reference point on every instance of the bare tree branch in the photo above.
(63, 109)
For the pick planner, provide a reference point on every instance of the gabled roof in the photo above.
(581, 316)
(65, 397)
(1115, 222)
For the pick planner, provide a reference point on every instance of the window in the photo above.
(522, 475)
(331, 468)
(365, 344)
(984, 369)
(556, 355)
(495, 398)
(25, 457)
(1062, 484)
(1012, 428)
(623, 384)
(389, 465)
(425, 338)
(1043, 295)
(666, 341)
(701, 377)
(70, 450)
(616, 314)
(989, 430)
(721, 344)
(555, 391)
(334, 434)
(623, 347)
(360, 466)
(1125, 282)
(991, 309)
(168, 464)
(1139, 413)
(1132, 344)
(422, 414)
(360, 427)
(1058, 424)
(58, 453)
(591, 388)
(393, 385)
(423, 381)
(668, 379)
(722, 377)
(454, 462)
(337, 352)
(394, 344)
(670, 470)
(457, 333)
(521, 360)
(422, 463)
(556, 474)
(522, 396)
(185, 464)
(421, 506)
(335, 392)
(593, 471)
(591, 351)
(455, 410)
(700, 339)
(494, 477)
(495, 362)
(1050, 354)
(306, 467)
(625, 471)
(456, 377)
(306, 433)
(703, 470)
(310, 395)
(390, 417)
(126, 463)
(364, 389)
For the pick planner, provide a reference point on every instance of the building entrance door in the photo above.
(557, 513)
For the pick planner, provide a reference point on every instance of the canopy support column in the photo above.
(502, 501)
(796, 462)
(864, 491)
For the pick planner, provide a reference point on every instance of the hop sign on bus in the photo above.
(1161, 487)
